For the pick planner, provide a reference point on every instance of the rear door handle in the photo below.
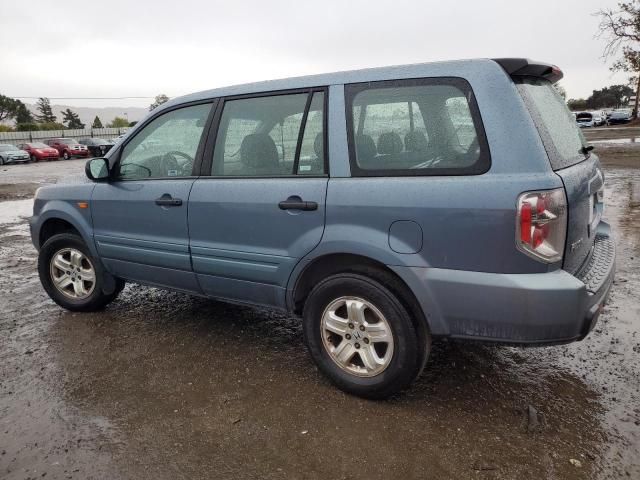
(296, 203)
(167, 200)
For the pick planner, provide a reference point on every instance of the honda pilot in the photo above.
(383, 207)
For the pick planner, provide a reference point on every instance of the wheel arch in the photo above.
(333, 263)
(58, 217)
(54, 226)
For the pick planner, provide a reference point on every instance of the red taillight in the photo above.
(541, 224)
(525, 222)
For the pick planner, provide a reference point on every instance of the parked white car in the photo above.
(585, 119)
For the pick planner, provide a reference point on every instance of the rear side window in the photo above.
(560, 134)
(425, 126)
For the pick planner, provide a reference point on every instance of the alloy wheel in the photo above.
(357, 336)
(72, 273)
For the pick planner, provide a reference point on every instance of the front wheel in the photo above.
(33, 158)
(72, 277)
(1, 161)
(361, 336)
(66, 155)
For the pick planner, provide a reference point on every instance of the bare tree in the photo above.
(621, 29)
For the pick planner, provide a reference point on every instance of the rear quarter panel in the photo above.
(468, 222)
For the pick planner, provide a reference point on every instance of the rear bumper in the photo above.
(535, 309)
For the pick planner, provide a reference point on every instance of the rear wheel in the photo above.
(361, 336)
(72, 277)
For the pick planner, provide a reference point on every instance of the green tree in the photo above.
(23, 114)
(613, 96)
(133, 124)
(27, 127)
(118, 122)
(621, 27)
(96, 123)
(46, 114)
(160, 99)
(72, 119)
(8, 107)
(577, 104)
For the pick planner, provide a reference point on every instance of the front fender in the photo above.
(45, 209)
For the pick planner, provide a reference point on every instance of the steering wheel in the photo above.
(168, 162)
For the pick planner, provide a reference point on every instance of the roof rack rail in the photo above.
(518, 67)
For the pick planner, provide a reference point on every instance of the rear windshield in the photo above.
(560, 134)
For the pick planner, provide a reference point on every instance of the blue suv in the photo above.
(385, 207)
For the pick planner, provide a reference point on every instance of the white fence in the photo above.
(16, 138)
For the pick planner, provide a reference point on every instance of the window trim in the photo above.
(481, 166)
(197, 161)
(207, 161)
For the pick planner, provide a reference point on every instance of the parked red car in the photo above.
(39, 151)
(68, 147)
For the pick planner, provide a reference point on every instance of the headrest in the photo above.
(258, 150)
(389, 143)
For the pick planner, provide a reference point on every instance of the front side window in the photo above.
(166, 147)
(277, 135)
(415, 127)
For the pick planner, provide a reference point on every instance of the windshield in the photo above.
(560, 134)
(38, 145)
(7, 148)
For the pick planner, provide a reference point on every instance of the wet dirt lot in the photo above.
(162, 385)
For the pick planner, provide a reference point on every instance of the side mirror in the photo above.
(97, 169)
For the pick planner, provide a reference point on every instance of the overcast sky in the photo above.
(114, 48)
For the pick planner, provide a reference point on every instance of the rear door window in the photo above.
(425, 126)
(276, 135)
(558, 129)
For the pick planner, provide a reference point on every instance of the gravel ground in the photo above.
(164, 385)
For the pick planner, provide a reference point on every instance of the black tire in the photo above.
(33, 158)
(1, 161)
(66, 155)
(97, 300)
(409, 350)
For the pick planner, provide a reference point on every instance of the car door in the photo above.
(140, 214)
(262, 207)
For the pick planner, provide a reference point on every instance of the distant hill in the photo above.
(106, 114)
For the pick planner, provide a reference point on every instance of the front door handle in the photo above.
(167, 200)
(296, 203)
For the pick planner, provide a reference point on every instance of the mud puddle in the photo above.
(15, 211)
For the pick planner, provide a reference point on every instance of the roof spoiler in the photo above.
(518, 67)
